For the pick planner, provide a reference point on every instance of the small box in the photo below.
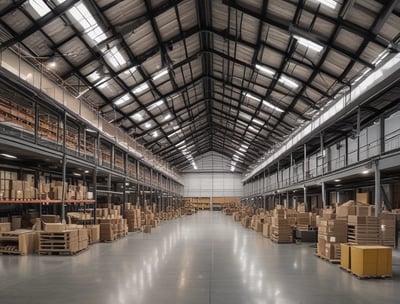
(371, 261)
(5, 227)
(54, 227)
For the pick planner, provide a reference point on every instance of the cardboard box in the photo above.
(345, 256)
(17, 185)
(5, 227)
(362, 197)
(54, 227)
(371, 261)
(16, 222)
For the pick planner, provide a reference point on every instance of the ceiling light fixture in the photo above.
(329, 3)
(86, 171)
(259, 122)
(265, 70)
(147, 125)
(155, 134)
(76, 174)
(309, 44)
(155, 104)
(288, 82)
(232, 168)
(8, 155)
(168, 116)
(137, 117)
(180, 143)
(144, 86)
(160, 74)
(40, 7)
(365, 172)
(337, 180)
(122, 100)
(253, 129)
(270, 105)
(252, 97)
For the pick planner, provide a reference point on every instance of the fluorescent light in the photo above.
(8, 155)
(252, 97)
(91, 131)
(86, 171)
(76, 174)
(232, 168)
(259, 122)
(52, 64)
(144, 86)
(137, 117)
(270, 105)
(244, 146)
(116, 58)
(174, 133)
(238, 152)
(160, 74)
(365, 172)
(175, 127)
(122, 99)
(329, 3)
(265, 70)
(235, 157)
(288, 82)
(253, 129)
(155, 104)
(40, 7)
(337, 180)
(147, 125)
(155, 134)
(93, 76)
(180, 143)
(182, 148)
(168, 116)
(309, 44)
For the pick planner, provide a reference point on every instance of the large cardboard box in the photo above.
(362, 197)
(371, 261)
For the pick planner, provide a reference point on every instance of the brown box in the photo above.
(5, 227)
(17, 185)
(54, 227)
(362, 197)
(16, 222)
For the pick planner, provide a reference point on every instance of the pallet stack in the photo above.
(387, 229)
(363, 230)
(62, 242)
(19, 242)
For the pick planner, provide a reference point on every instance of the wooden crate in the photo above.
(20, 242)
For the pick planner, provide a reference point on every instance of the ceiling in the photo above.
(188, 77)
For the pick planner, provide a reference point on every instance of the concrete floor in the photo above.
(204, 258)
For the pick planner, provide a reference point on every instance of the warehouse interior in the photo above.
(199, 151)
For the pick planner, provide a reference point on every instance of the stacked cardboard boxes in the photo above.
(281, 230)
(330, 234)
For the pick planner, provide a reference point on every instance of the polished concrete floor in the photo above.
(204, 258)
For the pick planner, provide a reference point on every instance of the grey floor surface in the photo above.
(204, 258)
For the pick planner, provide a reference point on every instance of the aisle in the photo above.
(204, 258)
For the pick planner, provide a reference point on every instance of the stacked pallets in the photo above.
(65, 242)
(363, 230)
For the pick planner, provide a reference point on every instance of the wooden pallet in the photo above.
(280, 241)
(345, 269)
(61, 252)
(370, 277)
(332, 261)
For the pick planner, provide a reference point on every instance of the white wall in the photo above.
(212, 184)
(212, 178)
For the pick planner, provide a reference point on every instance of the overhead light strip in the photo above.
(309, 44)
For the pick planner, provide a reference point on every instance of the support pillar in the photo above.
(377, 188)
(323, 192)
